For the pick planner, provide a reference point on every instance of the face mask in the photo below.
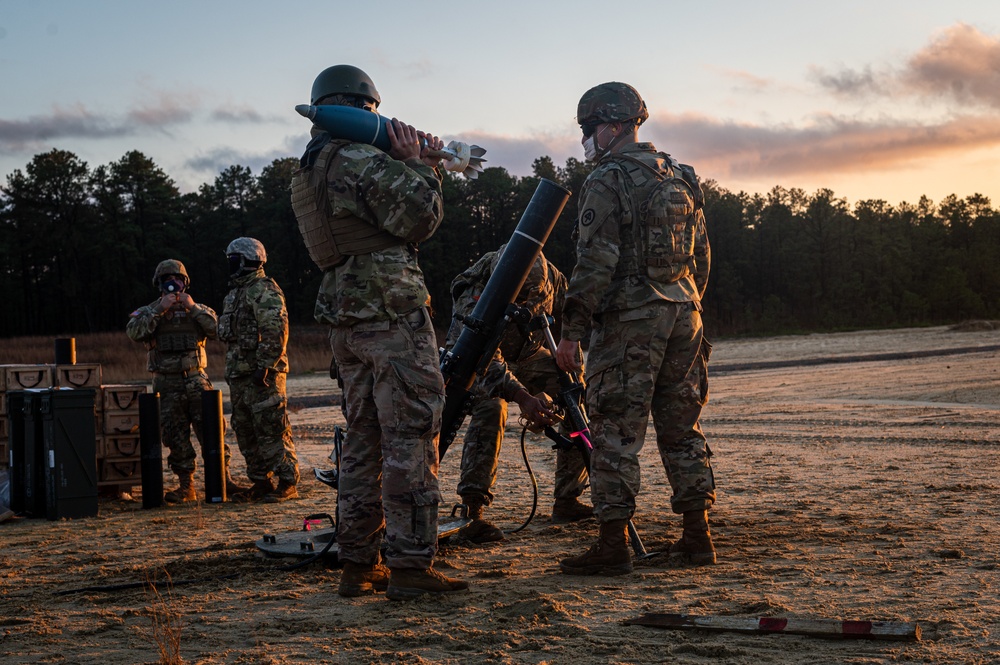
(171, 285)
(590, 150)
(235, 264)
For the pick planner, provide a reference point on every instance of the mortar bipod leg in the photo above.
(636, 542)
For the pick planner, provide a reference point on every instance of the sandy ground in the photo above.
(848, 491)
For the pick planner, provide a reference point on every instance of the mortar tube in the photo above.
(212, 446)
(150, 450)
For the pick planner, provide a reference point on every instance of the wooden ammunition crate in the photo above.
(117, 445)
(22, 377)
(119, 470)
(120, 422)
(81, 375)
(120, 397)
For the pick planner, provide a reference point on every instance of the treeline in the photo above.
(78, 246)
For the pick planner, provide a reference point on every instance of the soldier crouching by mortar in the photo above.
(174, 329)
(254, 324)
(523, 367)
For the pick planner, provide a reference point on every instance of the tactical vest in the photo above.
(178, 344)
(331, 238)
(664, 224)
(537, 294)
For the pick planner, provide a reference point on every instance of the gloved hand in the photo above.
(535, 410)
(262, 377)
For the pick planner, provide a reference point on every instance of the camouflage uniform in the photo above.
(522, 363)
(176, 342)
(254, 324)
(386, 353)
(647, 353)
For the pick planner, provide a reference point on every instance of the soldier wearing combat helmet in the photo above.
(254, 324)
(174, 329)
(642, 266)
(523, 367)
(361, 212)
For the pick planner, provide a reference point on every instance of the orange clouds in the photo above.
(829, 144)
(962, 63)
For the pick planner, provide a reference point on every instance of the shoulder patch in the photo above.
(587, 217)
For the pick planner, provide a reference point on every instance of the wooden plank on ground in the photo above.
(832, 628)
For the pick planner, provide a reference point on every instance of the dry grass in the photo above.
(167, 624)
(124, 361)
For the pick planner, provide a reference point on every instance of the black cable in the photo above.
(534, 483)
(318, 555)
(138, 585)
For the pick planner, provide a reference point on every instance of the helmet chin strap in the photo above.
(237, 269)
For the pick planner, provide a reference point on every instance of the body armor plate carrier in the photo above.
(330, 239)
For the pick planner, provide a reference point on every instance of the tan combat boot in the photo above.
(481, 530)
(283, 492)
(185, 492)
(566, 510)
(232, 487)
(358, 579)
(608, 556)
(694, 547)
(409, 583)
(260, 489)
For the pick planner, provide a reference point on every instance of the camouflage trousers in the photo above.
(180, 410)
(263, 433)
(484, 435)
(646, 360)
(394, 397)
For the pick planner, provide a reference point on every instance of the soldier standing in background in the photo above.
(524, 366)
(361, 212)
(642, 266)
(254, 324)
(174, 329)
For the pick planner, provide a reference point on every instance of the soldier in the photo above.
(642, 266)
(254, 324)
(174, 329)
(361, 212)
(530, 360)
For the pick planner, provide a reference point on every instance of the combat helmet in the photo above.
(250, 249)
(344, 80)
(245, 255)
(611, 102)
(170, 267)
(536, 279)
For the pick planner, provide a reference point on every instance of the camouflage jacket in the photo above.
(254, 324)
(401, 198)
(175, 338)
(601, 282)
(543, 292)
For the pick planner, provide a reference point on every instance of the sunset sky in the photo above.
(874, 99)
